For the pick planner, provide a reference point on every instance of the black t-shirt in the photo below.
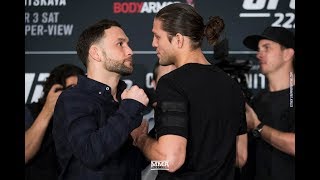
(277, 110)
(204, 105)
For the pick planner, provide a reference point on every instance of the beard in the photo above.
(167, 59)
(124, 67)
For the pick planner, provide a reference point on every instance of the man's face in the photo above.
(71, 81)
(162, 44)
(270, 55)
(116, 51)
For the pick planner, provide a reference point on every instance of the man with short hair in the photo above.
(94, 119)
(272, 118)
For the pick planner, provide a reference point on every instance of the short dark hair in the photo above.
(184, 19)
(58, 76)
(90, 35)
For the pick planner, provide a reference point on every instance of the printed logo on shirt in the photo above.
(159, 165)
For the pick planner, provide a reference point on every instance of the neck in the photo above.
(102, 75)
(281, 80)
(194, 56)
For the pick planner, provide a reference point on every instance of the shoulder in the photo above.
(72, 93)
(72, 99)
(261, 94)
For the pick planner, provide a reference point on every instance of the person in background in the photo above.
(200, 109)
(40, 158)
(158, 72)
(271, 119)
(94, 119)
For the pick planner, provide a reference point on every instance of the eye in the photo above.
(120, 43)
(156, 36)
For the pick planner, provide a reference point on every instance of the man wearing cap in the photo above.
(271, 118)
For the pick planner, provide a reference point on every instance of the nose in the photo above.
(259, 55)
(129, 51)
(154, 42)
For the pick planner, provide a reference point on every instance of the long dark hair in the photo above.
(58, 76)
(184, 19)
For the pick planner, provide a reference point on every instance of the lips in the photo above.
(262, 62)
(128, 59)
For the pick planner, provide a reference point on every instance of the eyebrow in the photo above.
(123, 39)
(154, 33)
(265, 44)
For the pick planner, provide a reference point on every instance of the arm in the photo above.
(34, 135)
(93, 145)
(89, 142)
(171, 124)
(242, 150)
(171, 148)
(283, 141)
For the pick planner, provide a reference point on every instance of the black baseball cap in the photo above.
(277, 34)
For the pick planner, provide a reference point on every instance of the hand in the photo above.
(139, 131)
(252, 118)
(52, 97)
(137, 94)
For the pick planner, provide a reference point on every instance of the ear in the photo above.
(288, 54)
(179, 40)
(94, 53)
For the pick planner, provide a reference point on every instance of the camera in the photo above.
(235, 68)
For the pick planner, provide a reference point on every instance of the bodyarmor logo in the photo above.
(139, 7)
(143, 7)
